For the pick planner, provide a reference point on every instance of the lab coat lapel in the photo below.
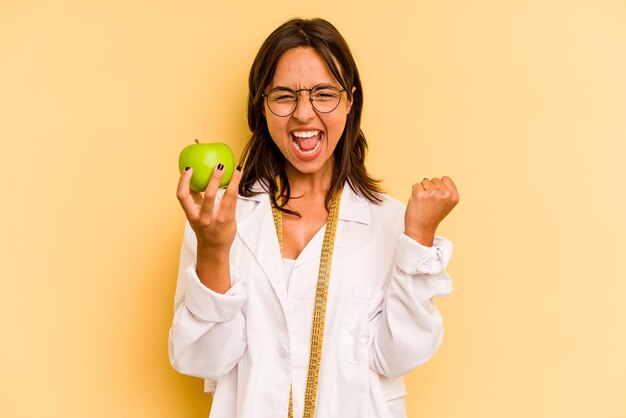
(354, 208)
(258, 232)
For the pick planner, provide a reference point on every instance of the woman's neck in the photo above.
(309, 184)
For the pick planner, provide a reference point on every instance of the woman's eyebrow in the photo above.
(320, 85)
(283, 88)
(323, 85)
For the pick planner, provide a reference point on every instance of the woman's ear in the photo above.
(351, 100)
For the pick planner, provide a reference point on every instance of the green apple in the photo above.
(202, 158)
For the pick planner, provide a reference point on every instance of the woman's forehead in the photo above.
(302, 67)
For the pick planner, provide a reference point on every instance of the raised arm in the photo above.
(408, 329)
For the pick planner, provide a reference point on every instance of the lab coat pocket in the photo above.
(354, 333)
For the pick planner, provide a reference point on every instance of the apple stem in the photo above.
(197, 142)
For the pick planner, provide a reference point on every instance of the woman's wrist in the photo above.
(424, 237)
(213, 269)
(213, 255)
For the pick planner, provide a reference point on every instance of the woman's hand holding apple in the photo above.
(214, 225)
(430, 202)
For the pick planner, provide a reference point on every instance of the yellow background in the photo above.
(521, 102)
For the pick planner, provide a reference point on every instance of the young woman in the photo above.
(303, 290)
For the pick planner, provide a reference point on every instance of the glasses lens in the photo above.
(282, 102)
(325, 99)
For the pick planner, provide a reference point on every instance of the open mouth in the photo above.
(307, 143)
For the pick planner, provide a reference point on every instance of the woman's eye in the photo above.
(284, 98)
(324, 96)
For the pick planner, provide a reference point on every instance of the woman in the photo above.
(303, 290)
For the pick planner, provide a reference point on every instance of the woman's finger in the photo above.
(451, 186)
(229, 200)
(439, 184)
(428, 185)
(211, 190)
(183, 193)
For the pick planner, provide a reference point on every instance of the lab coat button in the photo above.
(283, 352)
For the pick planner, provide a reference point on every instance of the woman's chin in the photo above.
(310, 167)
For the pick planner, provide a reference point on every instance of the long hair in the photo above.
(261, 159)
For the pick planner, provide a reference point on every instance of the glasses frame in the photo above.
(297, 94)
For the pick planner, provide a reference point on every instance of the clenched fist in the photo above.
(430, 202)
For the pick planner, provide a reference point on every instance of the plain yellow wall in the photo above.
(521, 102)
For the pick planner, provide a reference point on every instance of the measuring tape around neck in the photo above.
(321, 296)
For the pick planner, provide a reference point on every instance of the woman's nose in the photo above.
(304, 108)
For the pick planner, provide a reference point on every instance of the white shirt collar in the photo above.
(352, 208)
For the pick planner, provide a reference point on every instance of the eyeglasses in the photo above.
(282, 101)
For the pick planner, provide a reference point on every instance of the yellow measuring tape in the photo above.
(321, 295)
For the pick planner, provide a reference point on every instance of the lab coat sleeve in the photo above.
(408, 330)
(207, 337)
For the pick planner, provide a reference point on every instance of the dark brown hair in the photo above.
(261, 159)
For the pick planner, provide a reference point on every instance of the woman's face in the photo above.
(306, 138)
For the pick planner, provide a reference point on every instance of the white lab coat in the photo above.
(251, 344)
